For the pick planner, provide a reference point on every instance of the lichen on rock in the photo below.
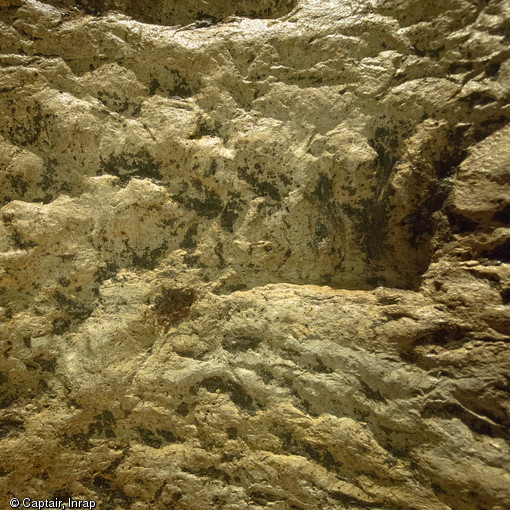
(255, 254)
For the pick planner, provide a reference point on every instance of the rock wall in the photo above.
(255, 254)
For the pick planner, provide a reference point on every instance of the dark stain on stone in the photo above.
(73, 403)
(109, 270)
(437, 488)
(385, 143)
(263, 498)
(232, 432)
(261, 188)
(320, 367)
(114, 102)
(377, 224)
(212, 169)
(20, 243)
(149, 258)
(27, 130)
(74, 309)
(18, 184)
(478, 98)
(128, 165)
(235, 391)
(296, 447)
(371, 394)
(7, 351)
(8, 426)
(324, 189)
(167, 435)
(188, 242)
(154, 86)
(80, 441)
(174, 305)
(64, 281)
(182, 409)
(321, 231)
(10, 393)
(180, 87)
(218, 250)
(420, 223)
(449, 160)
(149, 438)
(206, 127)
(301, 403)
(46, 364)
(48, 180)
(209, 205)
(370, 217)
(103, 425)
(231, 212)
(193, 261)
(174, 504)
(101, 483)
(159, 491)
(60, 325)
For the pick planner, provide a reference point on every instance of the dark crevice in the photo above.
(172, 12)
(500, 252)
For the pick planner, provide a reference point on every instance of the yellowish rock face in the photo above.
(255, 254)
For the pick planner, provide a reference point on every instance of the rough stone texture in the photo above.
(255, 254)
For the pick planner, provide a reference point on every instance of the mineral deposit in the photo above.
(255, 254)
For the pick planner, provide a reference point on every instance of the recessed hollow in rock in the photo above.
(174, 12)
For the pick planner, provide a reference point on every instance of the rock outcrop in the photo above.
(255, 254)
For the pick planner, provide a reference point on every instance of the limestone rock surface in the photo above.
(255, 254)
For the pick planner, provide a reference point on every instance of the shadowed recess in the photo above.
(172, 12)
